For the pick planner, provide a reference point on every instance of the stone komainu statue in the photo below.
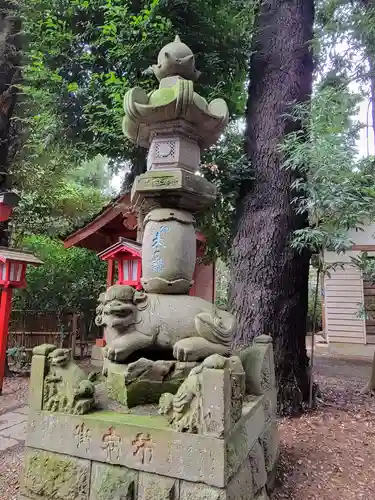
(189, 326)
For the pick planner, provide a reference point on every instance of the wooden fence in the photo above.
(28, 329)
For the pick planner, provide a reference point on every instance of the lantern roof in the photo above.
(122, 246)
(9, 198)
(10, 254)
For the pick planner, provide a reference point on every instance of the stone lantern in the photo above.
(175, 123)
(214, 434)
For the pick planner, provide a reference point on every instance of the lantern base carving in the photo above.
(160, 285)
(173, 145)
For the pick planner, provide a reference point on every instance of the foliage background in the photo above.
(69, 280)
(80, 58)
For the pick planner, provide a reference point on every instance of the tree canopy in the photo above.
(88, 54)
(80, 58)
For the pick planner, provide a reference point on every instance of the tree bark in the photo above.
(138, 167)
(370, 386)
(368, 41)
(371, 60)
(269, 283)
(10, 76)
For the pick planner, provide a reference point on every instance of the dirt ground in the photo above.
(14, 396)
(327, 454)
(330, 453)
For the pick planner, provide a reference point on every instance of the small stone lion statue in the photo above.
(184, 409)
(67, 389)
(189, 326)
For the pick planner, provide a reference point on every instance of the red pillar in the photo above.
(110, 272)
(5, 308)
(204, 281)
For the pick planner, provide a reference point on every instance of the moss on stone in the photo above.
(112, 417)
(148, 392)
(163, 96)
(252, 359)
(116, 388)
(110, 482)
(57, 477)
(138, 392)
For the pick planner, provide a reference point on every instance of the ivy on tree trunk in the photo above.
(269, 282)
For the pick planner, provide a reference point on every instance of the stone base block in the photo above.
(271, 479)
(270, 444)
(109, 482)
(146, 443)
(50, 475)
(144, 381)
(153, 487)
(262, 495)
(97, 356)
(225, 446)
(174, 187)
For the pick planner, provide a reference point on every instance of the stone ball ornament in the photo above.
(176, 59)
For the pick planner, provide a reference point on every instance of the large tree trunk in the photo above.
(10, 75)
(269, 293)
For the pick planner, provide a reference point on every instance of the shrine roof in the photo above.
(116, 220)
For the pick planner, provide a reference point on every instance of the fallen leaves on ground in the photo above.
(330, 453)
(14, 393)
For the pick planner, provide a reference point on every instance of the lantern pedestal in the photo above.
(5, 309)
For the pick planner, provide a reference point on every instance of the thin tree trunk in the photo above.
(269, 292)
(367, 39)
(370, 386)
(371, 60)
(10, 76)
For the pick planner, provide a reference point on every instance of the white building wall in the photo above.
(364, 236)
(343, 298)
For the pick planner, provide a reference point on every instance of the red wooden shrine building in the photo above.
(112, 234)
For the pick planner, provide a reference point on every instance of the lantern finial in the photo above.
(176, 59)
